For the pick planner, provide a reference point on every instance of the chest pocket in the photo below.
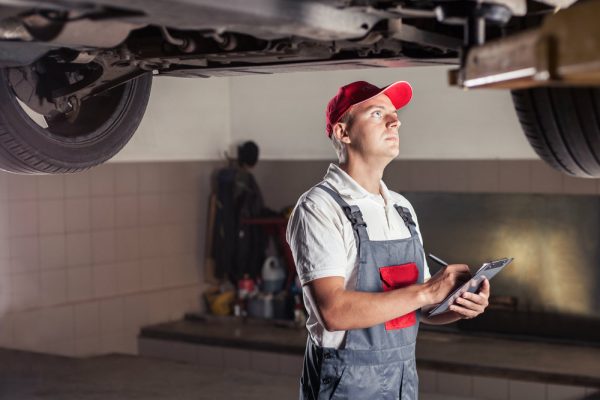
(395, 277)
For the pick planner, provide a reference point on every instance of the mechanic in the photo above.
(360, 258)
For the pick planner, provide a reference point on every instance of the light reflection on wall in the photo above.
(555, 241)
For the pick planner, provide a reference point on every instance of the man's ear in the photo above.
(340, 132)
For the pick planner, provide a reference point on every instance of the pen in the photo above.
(437, 260)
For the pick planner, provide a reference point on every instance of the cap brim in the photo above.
(399, 93)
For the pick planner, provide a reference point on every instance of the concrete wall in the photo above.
(285, 115)
(199, 119)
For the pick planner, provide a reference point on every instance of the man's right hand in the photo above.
(445, 281)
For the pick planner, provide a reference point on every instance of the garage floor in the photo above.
(28, 376)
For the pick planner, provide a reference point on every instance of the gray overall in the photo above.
(377, 362)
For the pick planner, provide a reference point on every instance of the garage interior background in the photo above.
(87, 259)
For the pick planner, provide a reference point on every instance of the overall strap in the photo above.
(407, 218)
(353, 214)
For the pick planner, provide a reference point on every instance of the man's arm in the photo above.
(340, 309)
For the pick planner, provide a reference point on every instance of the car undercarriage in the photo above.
(85, 68)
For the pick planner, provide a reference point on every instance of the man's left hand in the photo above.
(470, 305)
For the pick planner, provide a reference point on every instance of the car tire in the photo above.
(103, 125)
(563, 127)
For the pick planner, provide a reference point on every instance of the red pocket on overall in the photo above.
(398, 276)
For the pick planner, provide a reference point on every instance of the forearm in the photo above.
(356, 310)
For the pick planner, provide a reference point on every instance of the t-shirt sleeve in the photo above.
(316, 241)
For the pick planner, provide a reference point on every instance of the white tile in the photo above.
(26, 327)
(128, 277)
(264, 362)
(564, 392)
(78, 214)
(24, 254)
(103, 247)
(79, 249)
(4, 219)
(149, 178)
(427, 380)
(150, 209)
(51, 186)
(151, 241)
(182, 301)
(127, 244)
(78, 184)
(545, 179)
(490, 388)
(87, 320)
(454, 384)
(23, 218)
(58, 324)
(54, 287)
(4, 260)
(127, 212)
(136, 313)
(174, 271)
(80, 285)
(127, 179)
(53, 252)
(158, 307)
(62, 348)
(173, 239)
(6, 329)
(22, 187)
(103, 180)
(172, 208)
(112, 317)
(105, 280)
(87, 346)
(3, 185)
(103, 212)
(526, 390)
(5, 294)
(172, 177)
(573, 185)
(152, 273)
(51, 216)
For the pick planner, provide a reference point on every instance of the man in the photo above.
(359, 256)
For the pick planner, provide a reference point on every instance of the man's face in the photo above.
(374, 129)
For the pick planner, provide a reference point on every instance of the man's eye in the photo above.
(377, 114)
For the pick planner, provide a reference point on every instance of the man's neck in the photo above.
(366, 175)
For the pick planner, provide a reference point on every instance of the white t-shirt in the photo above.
(323, 242)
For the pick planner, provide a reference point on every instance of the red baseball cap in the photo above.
(354, 93)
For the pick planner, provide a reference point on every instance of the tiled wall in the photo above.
(489, 176)
(87, 259)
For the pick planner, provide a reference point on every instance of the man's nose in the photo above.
(393, 121)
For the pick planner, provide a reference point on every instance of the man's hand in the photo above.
(445, 281)
(470, 305)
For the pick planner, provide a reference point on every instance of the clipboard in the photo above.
(487, 270)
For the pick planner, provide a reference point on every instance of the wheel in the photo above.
(102, 126)
(563, 127)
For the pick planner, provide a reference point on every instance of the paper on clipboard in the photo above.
(488, 270)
